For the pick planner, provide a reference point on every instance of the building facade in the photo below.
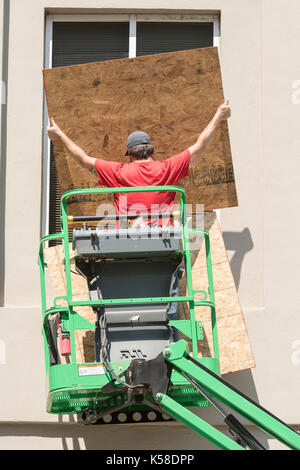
(258, 47)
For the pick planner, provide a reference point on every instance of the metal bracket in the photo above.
(142, 377)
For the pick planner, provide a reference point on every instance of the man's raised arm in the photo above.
(206, 136)
(55, 133)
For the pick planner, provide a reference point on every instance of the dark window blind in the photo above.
(157, 38)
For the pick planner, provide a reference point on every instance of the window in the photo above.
(156, 38)
(92, 39)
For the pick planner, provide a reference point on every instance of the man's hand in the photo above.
(54, 132)
(223, 113)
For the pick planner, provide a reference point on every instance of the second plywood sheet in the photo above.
(234, 344)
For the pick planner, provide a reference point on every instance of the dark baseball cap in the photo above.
(137, 138)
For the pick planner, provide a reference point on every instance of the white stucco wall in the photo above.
(260, 67)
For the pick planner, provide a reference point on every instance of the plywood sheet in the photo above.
(234, 344)
(170, 96)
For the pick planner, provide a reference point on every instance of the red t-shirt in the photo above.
(144, 173)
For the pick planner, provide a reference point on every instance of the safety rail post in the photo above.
(189, 279)
(42, 264)
(211, 291)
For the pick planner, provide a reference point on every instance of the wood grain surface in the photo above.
(170, 96)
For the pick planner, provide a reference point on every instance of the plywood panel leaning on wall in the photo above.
(170, 96)
(234, 344)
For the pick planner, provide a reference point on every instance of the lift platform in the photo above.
(142, 372)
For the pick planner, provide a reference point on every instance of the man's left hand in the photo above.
(223, 111)
(54, 132)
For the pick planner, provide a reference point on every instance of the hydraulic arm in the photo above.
(212, 386)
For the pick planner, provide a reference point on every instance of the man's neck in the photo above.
(132, 159)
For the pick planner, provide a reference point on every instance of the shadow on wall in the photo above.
(240, 243)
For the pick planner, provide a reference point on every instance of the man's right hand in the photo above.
(54, 132)
(223, 112)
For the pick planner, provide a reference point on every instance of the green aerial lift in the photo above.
(141, 372)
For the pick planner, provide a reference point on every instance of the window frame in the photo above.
(132, 19)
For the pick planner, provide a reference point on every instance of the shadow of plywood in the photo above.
(240, 243)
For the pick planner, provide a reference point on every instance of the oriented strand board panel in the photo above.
(234, 344)
(170, 96)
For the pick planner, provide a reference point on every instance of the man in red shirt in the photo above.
(142, 169)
